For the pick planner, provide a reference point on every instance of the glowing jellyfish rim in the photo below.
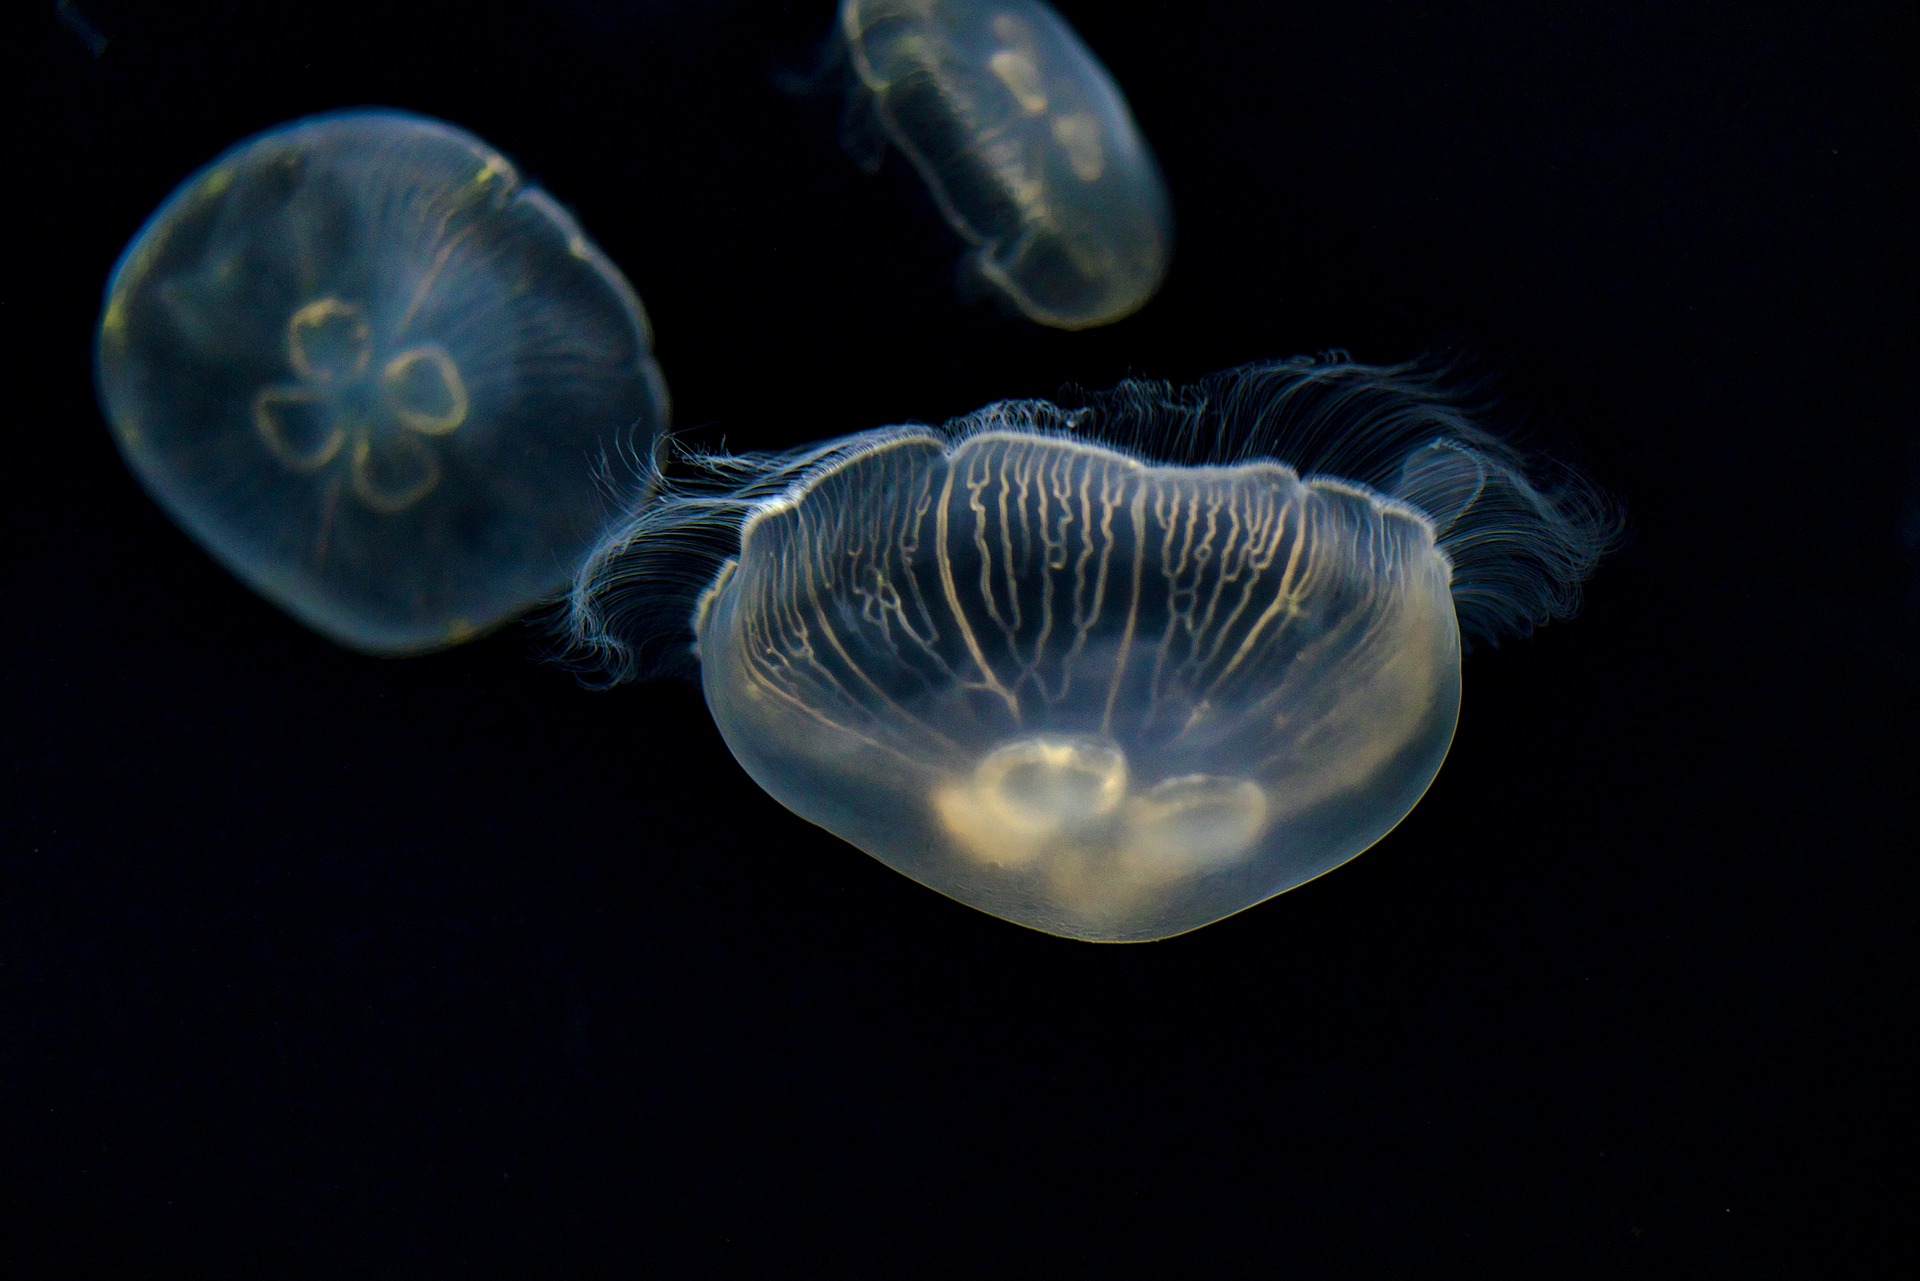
(1513, 553)
(471, 557)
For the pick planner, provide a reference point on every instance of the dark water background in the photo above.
(318, 965)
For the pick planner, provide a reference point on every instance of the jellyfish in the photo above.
(377, 376)
(1117, 672)
(1026, 144)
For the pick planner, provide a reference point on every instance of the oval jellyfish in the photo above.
(1103, 696)
(376, 376)
(1026, 144)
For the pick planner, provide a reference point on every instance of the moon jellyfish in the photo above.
(376, 375)
(1026, 144)
(1112, 673)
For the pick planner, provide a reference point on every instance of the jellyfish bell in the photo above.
(377, 375)
(1100, 693)
(1025, 143)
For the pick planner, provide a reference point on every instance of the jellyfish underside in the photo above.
(375, 376)
(1026, 145)
(1100, 698)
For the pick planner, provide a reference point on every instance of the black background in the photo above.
(313, 964)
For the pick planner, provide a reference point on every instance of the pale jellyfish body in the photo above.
(377, 376)
(1104, 698)
(1100, 696)
(1026, 145)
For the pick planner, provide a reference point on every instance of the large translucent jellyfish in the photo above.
(377, 376)
(1026, 144)
(1103, 696)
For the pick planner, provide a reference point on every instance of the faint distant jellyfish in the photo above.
(377, 376)
(1100, 696)
(1026, 144)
